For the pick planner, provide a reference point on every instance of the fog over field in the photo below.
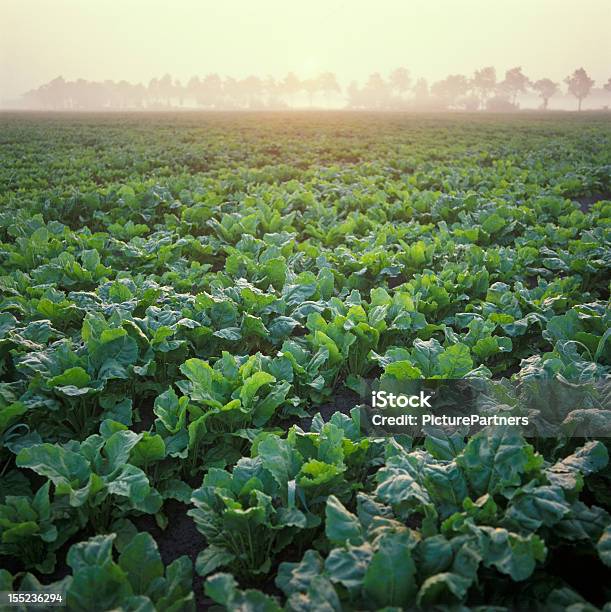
(436, 55)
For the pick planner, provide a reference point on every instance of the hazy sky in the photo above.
(139, 39)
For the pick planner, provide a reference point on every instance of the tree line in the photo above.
(481, 91)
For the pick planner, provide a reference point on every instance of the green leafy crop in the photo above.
(194, 308)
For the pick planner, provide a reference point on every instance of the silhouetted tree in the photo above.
(166, 88)
(139, 93)
(451, 89)
(579, 84)
(251, 89)
(515, 83)
(54, 93)
(421, 92)
(212, 90)
(400, 80)
(269, 89)
(500, 103)
(328, 85)
(125, 94)
(87, 95)
(179, 92)
(310, 87)
(231, 97)
(375, 93)
(354, 95)
(153, 89)
(290, 86)
(484, 82)
(193, 88)
(215, 92)
(546, 88)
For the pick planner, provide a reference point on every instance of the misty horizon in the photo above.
(137, 40)
(398, 90)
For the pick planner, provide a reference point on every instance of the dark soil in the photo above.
(586, 202)
(343, 401)
(395, 281)
(179, 538)
(507, 373)
(14, 566)
(531, 282)
(147, 418)
(583, 572)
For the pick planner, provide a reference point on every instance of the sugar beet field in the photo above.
(191, 305)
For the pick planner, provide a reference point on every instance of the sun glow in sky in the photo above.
(138, 39)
